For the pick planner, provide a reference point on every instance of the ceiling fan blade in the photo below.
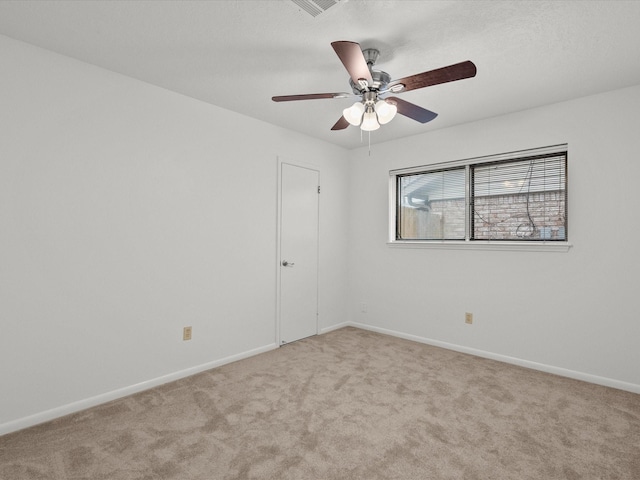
(341, 124)
(411, 110)
(351, 56)
(451, 73)
(309, 96)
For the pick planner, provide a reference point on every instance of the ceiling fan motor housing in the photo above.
(369, 98)
(380, 81)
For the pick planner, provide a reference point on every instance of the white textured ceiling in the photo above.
(237, 54)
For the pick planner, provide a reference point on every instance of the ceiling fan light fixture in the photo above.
(353, 114)
(370, 121)
(372, 86)
(386, 111)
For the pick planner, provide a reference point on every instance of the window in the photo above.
(516, 197)
(431, 205)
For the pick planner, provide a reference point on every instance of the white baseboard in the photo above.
(335, 327)
(563, 372)
(74, 407)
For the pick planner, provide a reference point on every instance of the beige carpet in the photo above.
(350, 404)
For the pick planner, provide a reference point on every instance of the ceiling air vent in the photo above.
(315, 7)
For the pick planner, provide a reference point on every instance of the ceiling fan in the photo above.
(375, 106)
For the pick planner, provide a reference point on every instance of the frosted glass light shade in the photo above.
(370, 122)
(353, 114)
(386, 111)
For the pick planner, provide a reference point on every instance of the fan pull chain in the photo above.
(369, 143)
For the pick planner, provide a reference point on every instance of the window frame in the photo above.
(469, 242)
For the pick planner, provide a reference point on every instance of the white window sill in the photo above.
(524, 246)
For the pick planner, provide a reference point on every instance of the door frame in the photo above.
(279, 162)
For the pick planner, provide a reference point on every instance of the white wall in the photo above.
(127, 212)
(571, 313)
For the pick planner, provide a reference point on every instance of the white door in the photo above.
(298, 268)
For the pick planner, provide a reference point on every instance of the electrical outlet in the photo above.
(186, 333)
(468, 318)
(363, 307)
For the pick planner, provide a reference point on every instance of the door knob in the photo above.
(287, 264)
